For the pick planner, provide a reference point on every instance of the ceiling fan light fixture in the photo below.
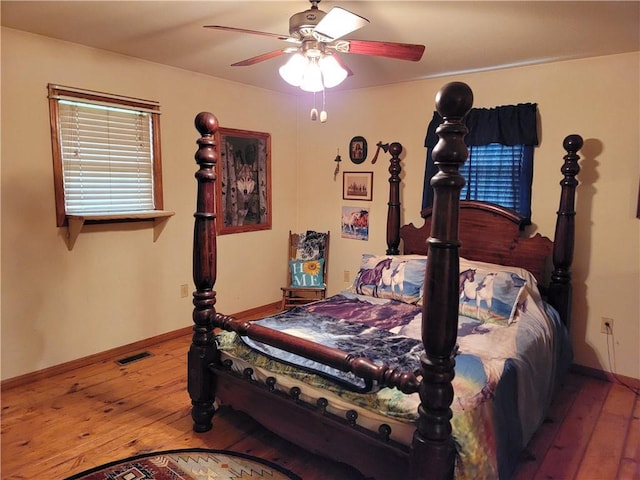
(311, 74)
(292, 72)
(332, 72)
(312, 78)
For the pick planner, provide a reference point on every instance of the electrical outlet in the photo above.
(184, 290)
(606, 325)
(347, 276)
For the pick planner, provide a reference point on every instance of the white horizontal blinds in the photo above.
(107, 158)
(492, 173)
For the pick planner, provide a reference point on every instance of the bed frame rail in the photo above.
(362, 367)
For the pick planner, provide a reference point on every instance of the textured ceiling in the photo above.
(460, 36)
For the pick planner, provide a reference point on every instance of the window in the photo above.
(499, 168)
(106, 155)
(499, 174)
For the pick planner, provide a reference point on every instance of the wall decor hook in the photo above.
(338, 159)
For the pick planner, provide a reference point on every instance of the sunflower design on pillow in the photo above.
(311, 267)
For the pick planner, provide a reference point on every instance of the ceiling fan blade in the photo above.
(400, 51)
(338, 23)
(252, 32)
(259, 58)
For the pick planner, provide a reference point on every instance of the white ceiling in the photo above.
(460, 36)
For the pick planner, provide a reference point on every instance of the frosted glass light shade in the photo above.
(313, 75)
(332, 72)
(312, 78)
(293, 71)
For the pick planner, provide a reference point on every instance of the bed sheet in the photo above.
(503, 384)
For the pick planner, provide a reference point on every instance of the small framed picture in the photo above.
(357, 186)
(355, 223)
(358, 149)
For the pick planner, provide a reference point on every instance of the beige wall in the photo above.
(118, 286)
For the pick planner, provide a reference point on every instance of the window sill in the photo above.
(75, 222)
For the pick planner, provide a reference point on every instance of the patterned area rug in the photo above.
(191, 464)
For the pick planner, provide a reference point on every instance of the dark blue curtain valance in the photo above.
(508, 125)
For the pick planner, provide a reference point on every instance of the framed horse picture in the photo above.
(244, 181)
(355, 223)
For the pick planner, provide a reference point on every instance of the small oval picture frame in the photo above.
(358, 149)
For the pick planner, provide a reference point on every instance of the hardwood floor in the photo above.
(57, 426)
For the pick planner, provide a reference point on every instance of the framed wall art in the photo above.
(244, 181)
(358, 149)
(357, 186)
(638, 208)
(355, 223)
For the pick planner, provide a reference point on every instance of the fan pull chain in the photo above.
(314, 110)
(323, 113)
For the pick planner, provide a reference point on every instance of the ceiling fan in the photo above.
(317, 38)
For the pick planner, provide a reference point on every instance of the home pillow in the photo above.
(307, 273)
(396, 277)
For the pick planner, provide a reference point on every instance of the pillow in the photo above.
(307, 273)
(395, 277)
(529, 292)
(511, 287)
(521, 272)
(489, 295)
(311, 245)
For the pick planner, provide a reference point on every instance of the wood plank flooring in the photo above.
(57, 426)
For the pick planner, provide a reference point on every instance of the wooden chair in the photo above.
(308, 266)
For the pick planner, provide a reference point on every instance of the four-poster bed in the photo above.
(486, 236)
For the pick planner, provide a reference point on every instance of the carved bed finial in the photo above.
(433, 438)
(206, 123)
(454, 100)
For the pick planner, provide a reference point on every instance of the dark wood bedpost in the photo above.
(560, 289)
(393, 212)
(203, 351)
(433, 449)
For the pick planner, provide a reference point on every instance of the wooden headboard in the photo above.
(488, 233)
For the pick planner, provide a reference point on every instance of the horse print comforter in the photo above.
(504, 373)
(351, 325)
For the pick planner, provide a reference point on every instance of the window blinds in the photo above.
(493, 172)
(107, 158)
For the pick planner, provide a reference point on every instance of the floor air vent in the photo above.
(133, 358)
